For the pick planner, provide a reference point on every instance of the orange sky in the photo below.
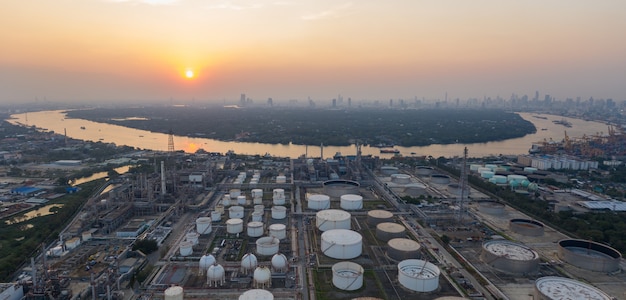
(85, 50)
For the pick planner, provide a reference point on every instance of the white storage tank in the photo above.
(226, 200)
(388, 170)
(347, 276)
(257, 193)
(219, 208)
(377, 216)
(318, 201)
(215, 275)
(474, 168)
(279, 212)
(235, 212)
(400, 178)
(483, 169)
(278, 197)
(248, 263)
(257, 216)
(332, 219)
(255, 229)
(387, 231)
(267, 245)
(341, 243)
(257, 294)
(262, 277)
(281, 179)
(498, 179)
(418, 275)
(234, 193)
(487, 174)
(241, 200)
(259, 208)
(173, 293)
(278, 231)
(192, 237)
(279, 263)
(561, 288)
(216, 216)
(203, 225)
(234, 226)
(86, 236)
(185, 248)
(423, 170)
(401, 249)
(257, 201)
(205, 262)
(351, 202)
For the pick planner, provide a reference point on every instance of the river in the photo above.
(120, 135)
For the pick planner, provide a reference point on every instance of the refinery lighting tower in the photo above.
(170, 141)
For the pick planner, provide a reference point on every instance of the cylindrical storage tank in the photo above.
(219, 208)
(256, 193)
(267, 245)
(235, 212)
(185, 248)
(281, 179)
(192, 237)
(234, 226)
(341, 243)
(279, 263)
(255, 229)
(486, 174)
(401, 249)
(257, 294)
(474, 168)
(278, 201)
(589, 255)
(318, 201)
(257, 201)
(338, 187)
(216, 216)
(491, 166)
(387, 231)
(72, 243)
(561, 288)
(259, 208)
(418, 275)
(526, 227)
(248, 263)
(377, 216)
(226, 201)
(388, 170)
(424, 170)
(56, 251)
(278, 231)
(514, 177)
(499, 179)
(173, 293)
(415, 189)
(347, 276)
(206, 261)
(351, 202)
(241, 200)
(440, 179)
(215, 275)
(279, 212)
(491, 207)
(234, 193)
(510, 257)
(482, 169)
(262, 277)
(257, 216)
(530, 170)
(332, 219)
(203, 225)
(278, 193)
(450, 298)
(86, 236)
(400, 178)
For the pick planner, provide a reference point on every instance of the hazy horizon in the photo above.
(131, 50)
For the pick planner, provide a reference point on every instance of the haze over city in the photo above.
(151, 50)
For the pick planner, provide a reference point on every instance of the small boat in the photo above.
(389, 151)
(544, 128)
(82, 127)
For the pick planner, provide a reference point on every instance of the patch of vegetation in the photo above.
(316, 126)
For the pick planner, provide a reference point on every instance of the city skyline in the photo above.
(119, 50)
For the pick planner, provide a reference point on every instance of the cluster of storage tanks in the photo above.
(177, 293)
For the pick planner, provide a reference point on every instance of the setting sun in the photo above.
(189, 74)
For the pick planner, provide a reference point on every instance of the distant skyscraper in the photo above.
(270, 102)
(349, 101)
(242, 99)
(334, 103)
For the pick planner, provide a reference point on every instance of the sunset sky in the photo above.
(142, 50)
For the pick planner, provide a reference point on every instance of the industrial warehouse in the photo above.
(310, 228)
